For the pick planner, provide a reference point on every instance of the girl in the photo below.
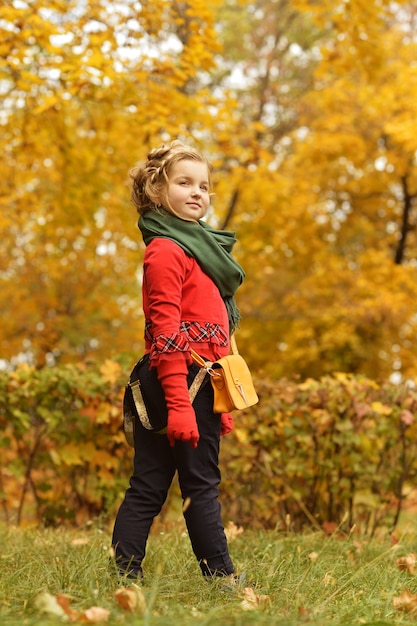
(189, 282)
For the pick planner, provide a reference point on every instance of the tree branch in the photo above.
(231, 208)
(405, 226)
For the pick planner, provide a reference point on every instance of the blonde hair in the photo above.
(149, 180)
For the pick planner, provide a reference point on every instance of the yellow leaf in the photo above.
(48, 103)
(48, 604)
(241, 435)
(110, 371)
(70, 454)
(381, 409)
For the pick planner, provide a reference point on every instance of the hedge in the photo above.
(330, 453)
(335, 452)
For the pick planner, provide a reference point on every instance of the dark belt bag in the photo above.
(144, 398)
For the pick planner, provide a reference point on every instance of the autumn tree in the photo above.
(87, 88)
(355, 306)
(306, 110)
(331, 217)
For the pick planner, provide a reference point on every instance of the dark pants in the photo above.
(155, 464)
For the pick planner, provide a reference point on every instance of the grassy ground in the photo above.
(292, 580)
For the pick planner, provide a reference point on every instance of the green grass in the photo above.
(308, 579)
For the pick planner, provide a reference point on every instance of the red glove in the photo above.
(182, 423)
(226, 424)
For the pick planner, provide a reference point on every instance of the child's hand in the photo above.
(182, 426)
(226, 424)
(182, 423)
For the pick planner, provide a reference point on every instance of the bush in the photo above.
(331, 452)
(338, 449)
(63, 452)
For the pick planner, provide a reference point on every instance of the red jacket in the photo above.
(183, 307)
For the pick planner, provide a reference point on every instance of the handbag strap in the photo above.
(207, 364)
(198, 360)
(140, 403)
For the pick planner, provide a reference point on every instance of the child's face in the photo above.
(188, 189)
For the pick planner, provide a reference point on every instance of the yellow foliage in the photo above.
(86, 98)
(380, 408)
(110, 371)
(306, 110)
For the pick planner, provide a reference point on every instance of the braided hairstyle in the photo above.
(150, 179)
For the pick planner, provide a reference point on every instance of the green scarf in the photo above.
(209, 247)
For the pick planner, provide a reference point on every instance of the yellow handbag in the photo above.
(231, 380)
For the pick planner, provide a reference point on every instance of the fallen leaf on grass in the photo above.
(131, 599)
(64, 601)
(408, 563)
(253, 601)
(94, 615)
(59, 606)
(406, 601)
(303, 611)
(81, 541)
(49, 604)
